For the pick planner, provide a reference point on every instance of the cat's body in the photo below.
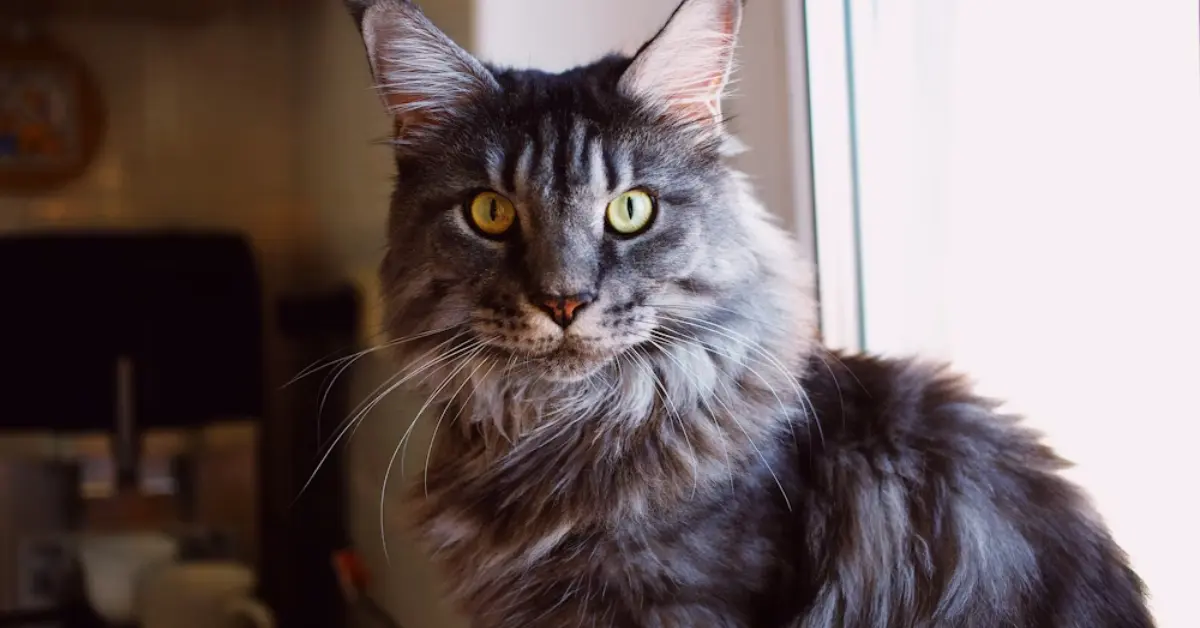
(909, 503)
(634, 424)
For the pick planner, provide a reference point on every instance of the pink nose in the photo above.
(562, 310)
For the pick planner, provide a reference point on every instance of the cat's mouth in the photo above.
(556, 358)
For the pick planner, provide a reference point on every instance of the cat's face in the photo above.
(562, 222)
(557, 221)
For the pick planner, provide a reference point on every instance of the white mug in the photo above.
(113, 563)
(205, 594)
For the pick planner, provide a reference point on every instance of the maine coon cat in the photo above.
(636, 425)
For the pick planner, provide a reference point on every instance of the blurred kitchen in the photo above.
(179, 239)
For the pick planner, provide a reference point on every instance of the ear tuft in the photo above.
(422, 75)
(685, 68)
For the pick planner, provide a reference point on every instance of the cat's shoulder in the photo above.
(909, 406)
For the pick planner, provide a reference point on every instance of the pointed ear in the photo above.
(422, 75)
(685, 67)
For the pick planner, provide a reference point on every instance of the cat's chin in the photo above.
(571, 363)
(570, 370)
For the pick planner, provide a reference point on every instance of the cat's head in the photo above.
(555, 221)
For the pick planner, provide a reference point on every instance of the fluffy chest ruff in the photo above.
(579, 508)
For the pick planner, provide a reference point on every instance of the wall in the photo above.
(200, 121)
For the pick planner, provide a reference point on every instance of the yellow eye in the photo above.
(630, 212)
(492, 214)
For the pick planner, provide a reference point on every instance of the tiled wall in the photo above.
(202, 130)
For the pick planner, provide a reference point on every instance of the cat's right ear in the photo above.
(684, 69)
(422, 75)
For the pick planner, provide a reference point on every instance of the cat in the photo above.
(636, 423)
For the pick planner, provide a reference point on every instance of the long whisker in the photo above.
(733, 335)
(672, 409)
(820, 349)
(765, 381)
(362, 410)
(783, 408)
(701, 309)
(465, 361)
(475, 346)
(751, 345)
(390, 384)
(821, 352)
(712, 415)
(325, 362)
(461, 408)
(736, 421)
(666, 351)
(342, 364)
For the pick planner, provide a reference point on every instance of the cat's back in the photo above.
(926, 507)
(908, 411)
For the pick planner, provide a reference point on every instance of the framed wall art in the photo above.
(51, 115)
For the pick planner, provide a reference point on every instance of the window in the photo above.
(1015, 187)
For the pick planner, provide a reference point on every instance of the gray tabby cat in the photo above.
(636, 423)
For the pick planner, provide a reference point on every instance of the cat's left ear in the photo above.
(684, 69)
(422, 76)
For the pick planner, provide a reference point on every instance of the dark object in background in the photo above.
(184, 308)
(75, 612)
(301, 530)
(127, 331)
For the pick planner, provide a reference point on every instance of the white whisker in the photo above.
(773, 361)
(461, 407)
(672, 412)
(361, 411)
(737, 421)
(712, 415)
(472, 349)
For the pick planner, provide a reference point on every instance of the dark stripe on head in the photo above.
(562, 154)
(611, 175)
(590, 138)
(535, 154)
(508, 172)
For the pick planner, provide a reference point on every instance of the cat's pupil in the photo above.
(492, 210)
(629, 206)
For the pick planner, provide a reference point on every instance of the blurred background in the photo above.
(192, 200)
